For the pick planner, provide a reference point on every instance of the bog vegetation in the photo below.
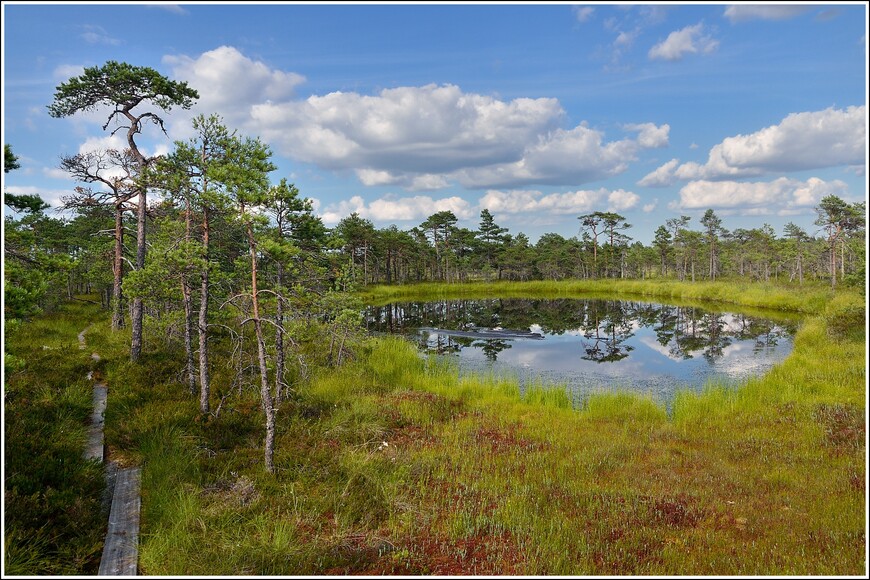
(277, 439)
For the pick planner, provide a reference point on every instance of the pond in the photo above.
(592, 345)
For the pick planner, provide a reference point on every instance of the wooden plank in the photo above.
(94, 448)
(121, 549)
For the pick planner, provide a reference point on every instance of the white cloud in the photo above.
(744, 12)
(650, 136)
(689, 40)
(119, 143)
(65, 72)
(583, 13)
(97, 35)
(391, 209)
(373, 177)
(802, 141)
(174, 8)
(408, 181)
(564, 157)
(661, 177)
(783, 195)
(621, 200)
(517, 201)
(231, 84)
(420, 130)
(417, 138)
(571, 202)
(625, 39)
(647, 208)
(102, 143)
(53, 197)
(55, 173)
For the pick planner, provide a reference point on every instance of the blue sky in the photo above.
(539, 113)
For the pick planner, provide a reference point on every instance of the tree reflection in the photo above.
(492, 347)
(606, 326)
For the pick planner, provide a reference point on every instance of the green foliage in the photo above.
(10, 160)
(119, 85)
(847, 321)
(24, 203)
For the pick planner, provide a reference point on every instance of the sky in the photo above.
(537, 112)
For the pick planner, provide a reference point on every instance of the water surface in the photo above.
(592, 345)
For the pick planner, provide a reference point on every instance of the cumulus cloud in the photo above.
(418, 138)
(744, 12)
(430, 129)
(688, 40)
(647, 208)
(781, 196)
(650, 136)
(231, 84)
(390, 208)
(661, 177)
(408, 181)
(571, 202)
(621, 200)
(802, 141)
(564, 157)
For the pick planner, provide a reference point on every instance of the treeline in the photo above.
(438, 250)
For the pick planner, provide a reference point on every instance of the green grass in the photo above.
(394, 464)
(52, 498)
(810, 298)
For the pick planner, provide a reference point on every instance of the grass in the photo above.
(54, 522)
(810, 298)
(393, 464)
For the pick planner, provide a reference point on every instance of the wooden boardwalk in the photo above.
(95, 446)
(121, 547)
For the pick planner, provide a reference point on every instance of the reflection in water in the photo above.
(649, 347)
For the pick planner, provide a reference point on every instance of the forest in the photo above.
(222, 302)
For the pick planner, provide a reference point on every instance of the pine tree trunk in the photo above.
(265, 393)
(188, 309)
(279, 338)
(188, 335)
(203, 321)
(136, 342)
(800, 269)
(118, 272)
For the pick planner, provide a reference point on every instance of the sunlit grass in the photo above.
(396, 464)
(810, 298)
